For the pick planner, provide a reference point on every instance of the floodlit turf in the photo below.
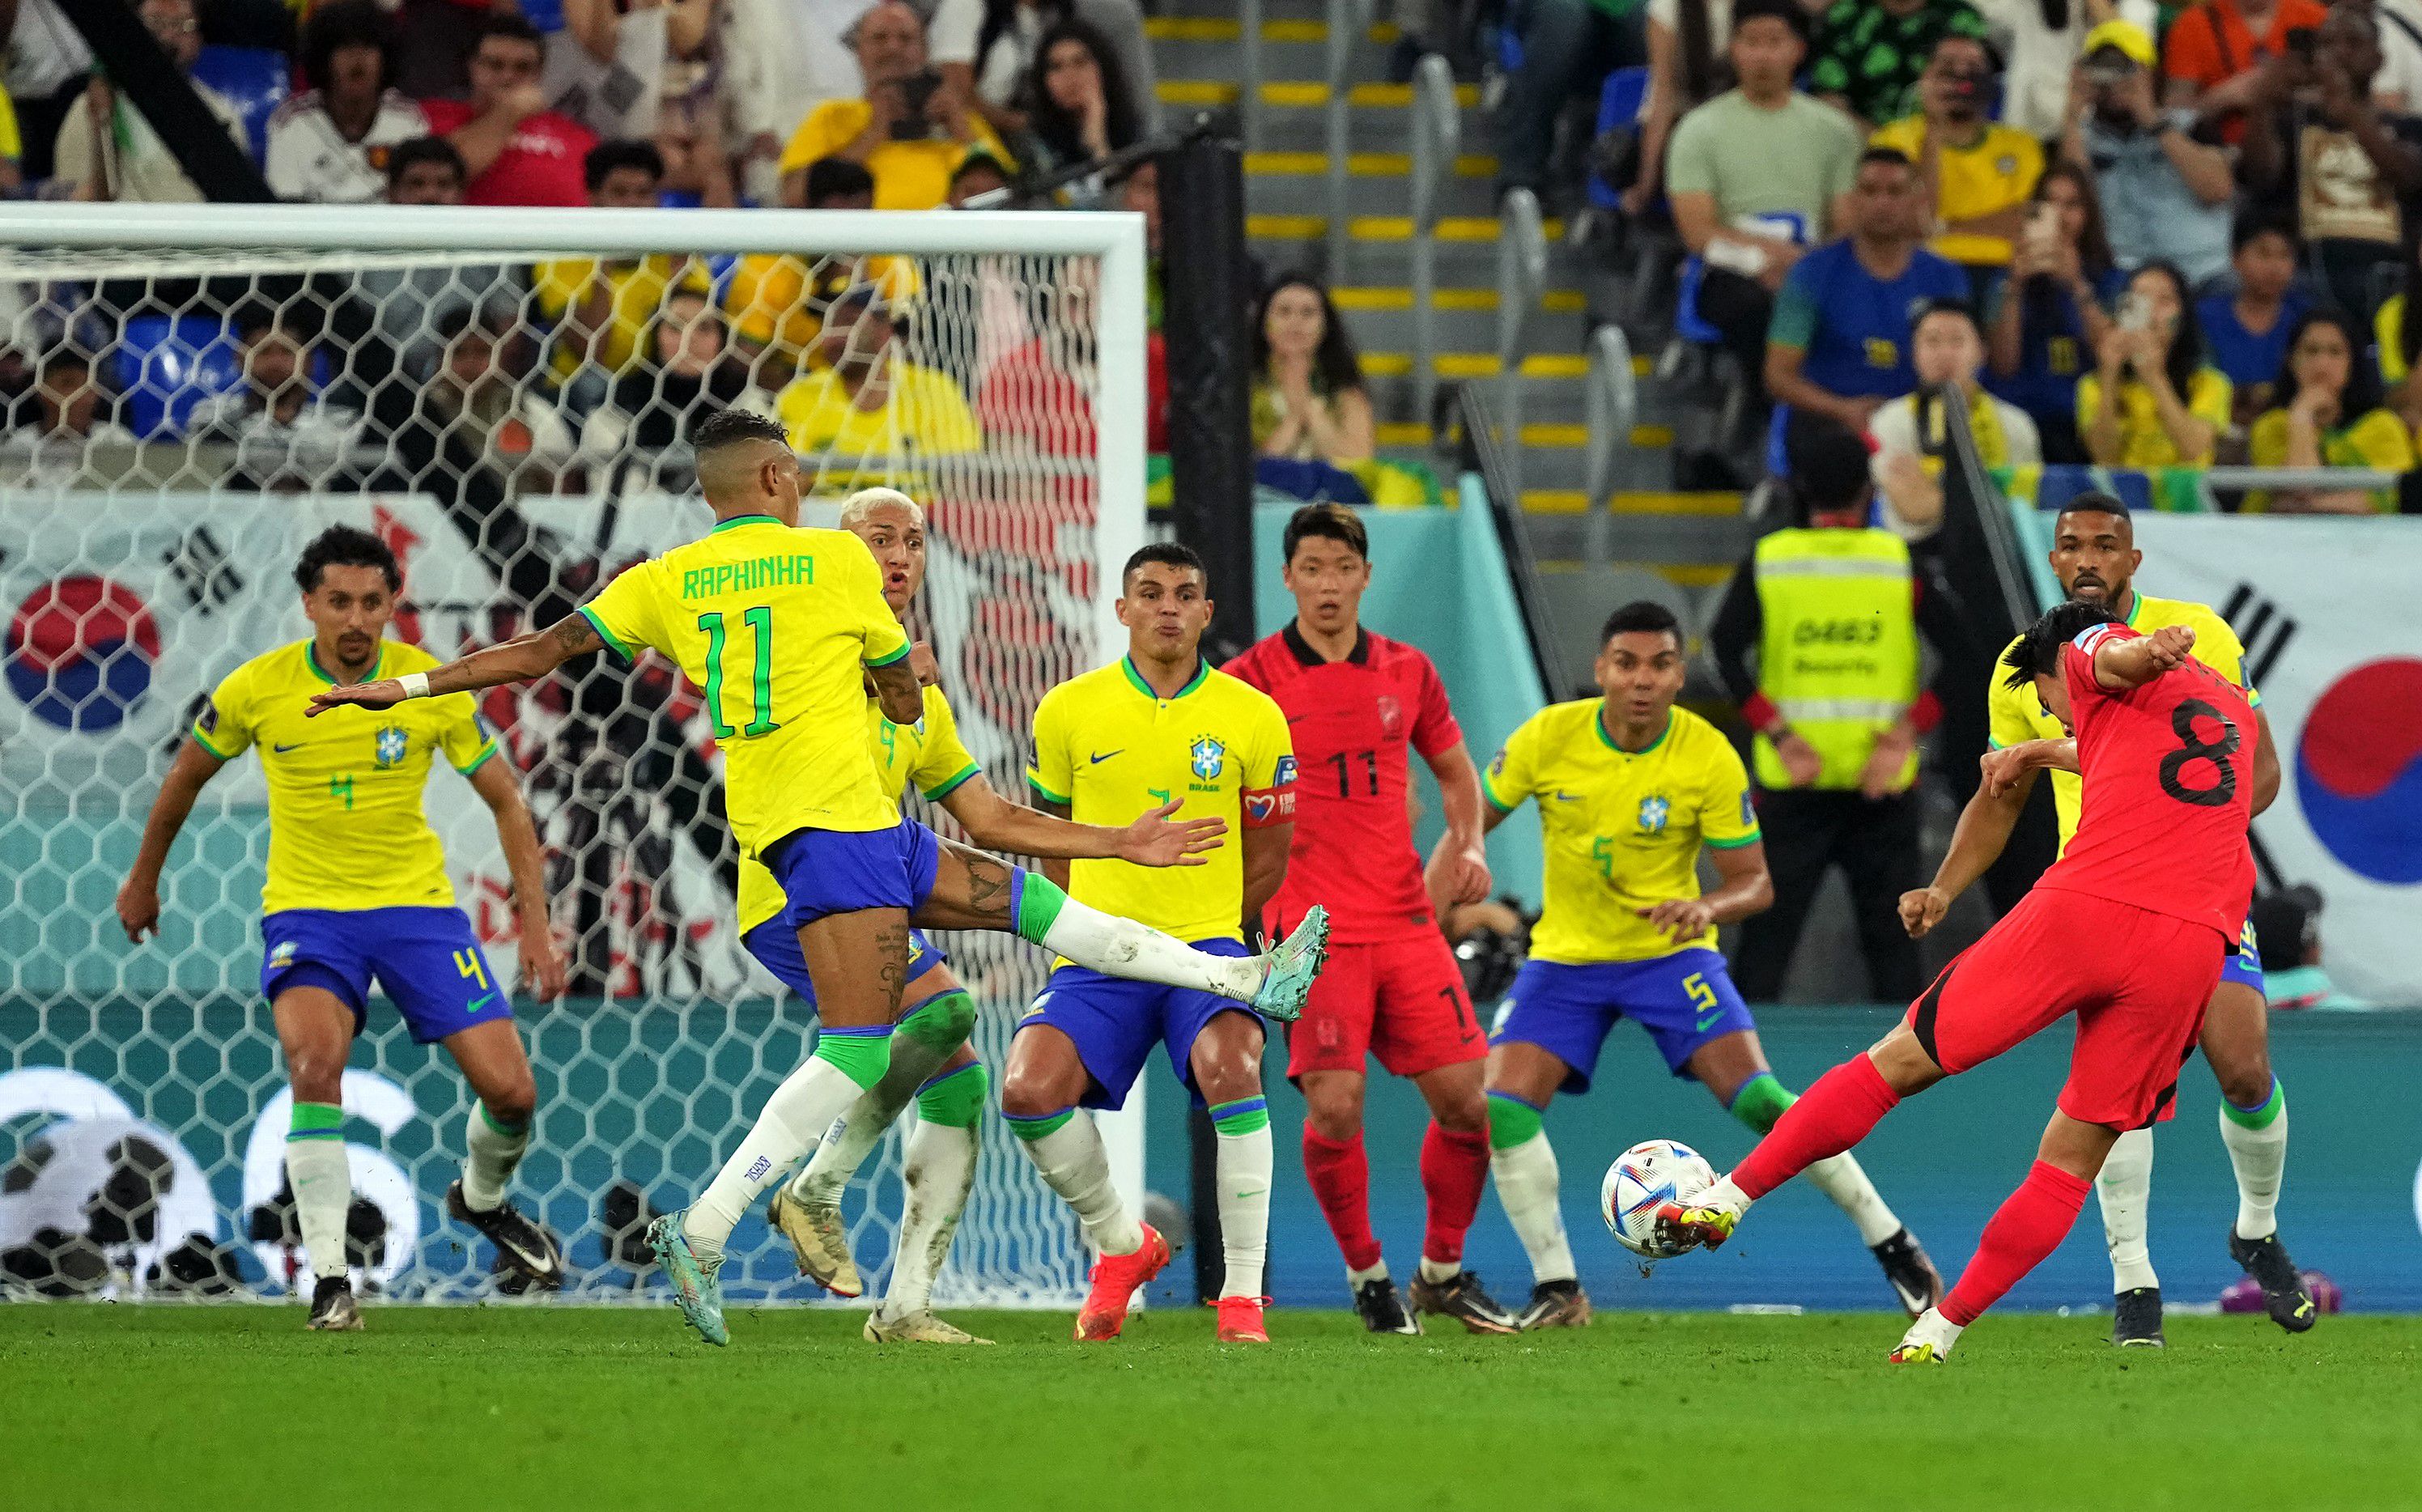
(528, 1407)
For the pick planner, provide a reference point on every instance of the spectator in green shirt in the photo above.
(1869, 52)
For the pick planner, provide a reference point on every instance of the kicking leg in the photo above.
(2028, 1225)
(976, 890)
(315, 1029)
(1454, 1168)
(1521, 1078)
(1733, 1069)
(1226, 1059)
(2254, 1126)
(1046, 1079)
(495, 1140)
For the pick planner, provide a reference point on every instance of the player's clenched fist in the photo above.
(2169, 646)
(1921, 910)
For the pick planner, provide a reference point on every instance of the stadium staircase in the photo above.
(1647, 539)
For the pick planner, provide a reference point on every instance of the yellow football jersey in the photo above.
(1110, 748)
(1621, 830)
(346, 829)
(2018, 715)
(928, 753)
(775, 623)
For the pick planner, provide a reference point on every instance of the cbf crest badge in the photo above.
(1652, 816)
(391, 744)
(1208, 757)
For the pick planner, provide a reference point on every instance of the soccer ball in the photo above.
(1648, 1173)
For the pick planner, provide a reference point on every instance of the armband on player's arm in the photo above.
(1274, 804)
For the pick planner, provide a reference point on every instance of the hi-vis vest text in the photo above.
(1839, 656)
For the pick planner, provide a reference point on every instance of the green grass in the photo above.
(193, 1407)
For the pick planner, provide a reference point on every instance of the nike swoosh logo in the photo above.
(283, 749)
(543, 1264)
(1099, 757)
(1911, 1300)
(1568, 797)
(480, 1001)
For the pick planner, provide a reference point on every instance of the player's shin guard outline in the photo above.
(2256, 1140)
(1524, 1164)
(2124, 1188)
(321, 1176)
(1068, 1152)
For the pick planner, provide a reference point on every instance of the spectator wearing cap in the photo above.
(866, 402)
(1948, 352)
(1756, 174)
(2214, 57)
(2245, 327)
(602, 307)
(1837, 718)
(1870, 52)
(107, 150)
(329, 144)
(1977, 174)
(518, 151)
(2319, 149)
(2287, 926)
(907, 129)
(1839, 344)
(2163, 184)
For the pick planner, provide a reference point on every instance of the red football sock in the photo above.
(1340, 1175)
(1455, 1166)
(1835, 1114)
(2029, 1225)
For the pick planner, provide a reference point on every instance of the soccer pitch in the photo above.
(136, 1407)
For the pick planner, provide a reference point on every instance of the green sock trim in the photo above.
(1030, 1130)
(511, 1131)
(863, 1057)
(1761, 1100)
(316, 1121)
(2262, 1117)
(1247, 1115)
(1511, 1121)
(955, 1100)
(941, 1023)
(1039, 903)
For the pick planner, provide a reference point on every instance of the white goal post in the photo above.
(145, 543)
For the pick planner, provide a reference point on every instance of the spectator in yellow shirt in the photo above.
(869, 416)
(2152, 400)
(602, 305)
(777, 300)
(13, 148)
(2328, 414)
(1979, 174)
(910, 131)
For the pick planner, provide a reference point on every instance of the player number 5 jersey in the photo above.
(777, 624)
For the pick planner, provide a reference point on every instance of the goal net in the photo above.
(504, 399)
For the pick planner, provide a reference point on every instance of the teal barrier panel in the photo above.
(1945, 1161)
(1438, 582)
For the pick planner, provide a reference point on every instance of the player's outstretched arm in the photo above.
(138, 897)
(2134, 661)
(542, 972)
(1976, 843)
(1743, 887)
(1156, 838)
(517, 660)
(1458, 868)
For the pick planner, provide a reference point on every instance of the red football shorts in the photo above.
(1402, 1000)
(2137, 981)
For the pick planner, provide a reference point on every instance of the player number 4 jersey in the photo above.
(2168, 776)
(1621, 830)
(1351, 723)
(777, 624)
(1110, 748)
(346, 826)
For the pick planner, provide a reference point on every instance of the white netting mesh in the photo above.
(511, 424)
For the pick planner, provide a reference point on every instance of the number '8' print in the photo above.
(2192, 747)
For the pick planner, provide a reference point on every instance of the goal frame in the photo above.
(1115, 238)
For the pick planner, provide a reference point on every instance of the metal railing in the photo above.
(1522, 276)
(1612, 401)
(1347, 21)
(1249, 87)
(1438, 137)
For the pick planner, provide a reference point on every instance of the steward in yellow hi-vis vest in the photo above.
(1818, 638)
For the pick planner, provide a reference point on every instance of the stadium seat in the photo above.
(254, 80)
(546, 15)
(164, 365)
(1619, 102)
(1687, 323)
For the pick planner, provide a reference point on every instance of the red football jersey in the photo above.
(2168, 774)
(1351, 721)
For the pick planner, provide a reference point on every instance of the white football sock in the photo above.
(2125, 1189)
(1243, 1170)
(1439, 1273)
(938, 1172)
(1122, 948)
(801, 1108)
(323, 1180)
(1356, 1277)
(492, 1152)
(2259, 1156)
(1526, 1185)
(854, 1136)
(1932, 1326)
(1841, 1178)
(1725, 1195)
(1075, 1165)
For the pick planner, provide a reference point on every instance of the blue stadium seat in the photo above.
(1687, 323)
(546, 15)
(1619, 102)
(164, 365)
(254, 80)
